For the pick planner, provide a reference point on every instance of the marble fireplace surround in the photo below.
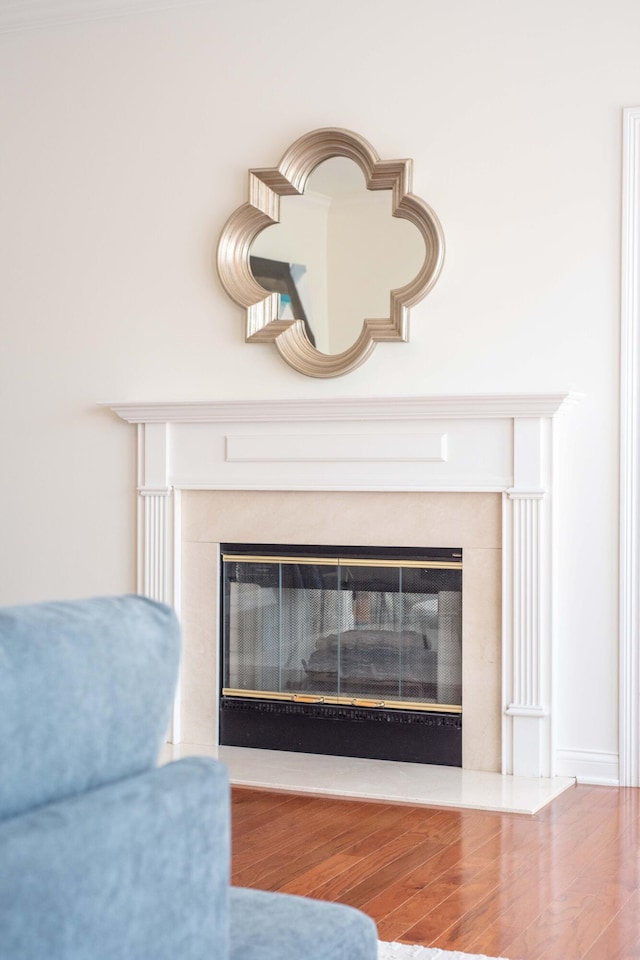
(485, 459)
(366, 518)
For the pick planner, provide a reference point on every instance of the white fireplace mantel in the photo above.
(499, 443)
(353, 408)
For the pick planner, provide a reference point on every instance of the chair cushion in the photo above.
(86, 688)
(136, 870)
(276, 926)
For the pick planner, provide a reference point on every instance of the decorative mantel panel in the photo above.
(461, 444)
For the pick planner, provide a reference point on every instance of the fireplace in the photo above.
(455, 458)
(348, 651)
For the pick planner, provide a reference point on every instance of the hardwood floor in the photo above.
(561, 885)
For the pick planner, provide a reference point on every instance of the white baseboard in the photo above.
(589, 766)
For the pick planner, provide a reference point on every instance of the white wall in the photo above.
(126, 144)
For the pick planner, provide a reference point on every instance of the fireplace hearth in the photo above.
(347, 651)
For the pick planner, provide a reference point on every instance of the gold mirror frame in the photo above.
(289, 178)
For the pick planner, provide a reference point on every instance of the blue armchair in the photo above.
(104, 855)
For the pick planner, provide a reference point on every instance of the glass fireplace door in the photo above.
(354, 629)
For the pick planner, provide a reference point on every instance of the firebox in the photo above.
(347, 650)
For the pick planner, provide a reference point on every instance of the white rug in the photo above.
(405, 951)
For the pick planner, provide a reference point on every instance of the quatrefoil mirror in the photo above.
(330, 252)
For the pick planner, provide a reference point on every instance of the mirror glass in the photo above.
(336, 254)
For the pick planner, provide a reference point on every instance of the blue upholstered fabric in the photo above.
(137, 870)
(272, 926)
(85, 695)
(103, 856)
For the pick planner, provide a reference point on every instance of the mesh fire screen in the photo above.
(366, 627)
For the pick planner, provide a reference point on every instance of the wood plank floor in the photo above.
(561, 885)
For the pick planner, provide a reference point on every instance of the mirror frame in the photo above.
(266, 186)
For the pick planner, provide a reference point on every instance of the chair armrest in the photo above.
(278, 926)
(136, 870)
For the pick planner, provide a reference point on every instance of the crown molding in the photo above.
(16, 15)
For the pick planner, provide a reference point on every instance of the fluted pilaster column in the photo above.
(155, 577)
(527, 708)
(157, 518)
(527, 605)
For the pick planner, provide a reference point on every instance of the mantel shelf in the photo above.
(457, 406)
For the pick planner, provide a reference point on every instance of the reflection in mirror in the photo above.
(336, 254)
(289, 282)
